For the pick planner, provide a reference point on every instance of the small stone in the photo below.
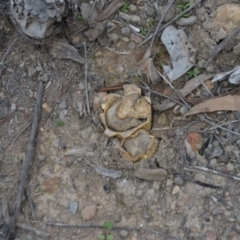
(73, 207)
(157, 175)
(201, 63)
(132, 8)
(31, 71)
(236, 49)
(183, 110)
(62, 105)
(169, 15)
(230, 167)
(213, 162)
(114, 37)
(45, 78)
(13, 107)
(221, 34)
(56, 143)
(169, 183)
(89, 212)
(210, 69)
(125, 39)
(156, 185)
(41, 158)
(150, 11)
(176, 189)
(125, 30)
(178, 181)
(116, 218)
(124, 233)
(131, 45)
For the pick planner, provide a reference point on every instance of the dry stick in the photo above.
(170, 22)
(214, 172)
(8, 51)
(159, 24)
(33, 229)
(86, 76)
(113, 228)
(26, 163)
(220, 46)
(19, 134)
(31, 204)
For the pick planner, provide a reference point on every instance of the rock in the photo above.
(170, 14)
(117, 218)
(41, 158)
(210, 69)
(123, 233)
(131, 45)
(114, 37)
(125, 39)
(176, 189)
(50, 185)
(45, 78)
(236, 49)
(13, 107)
(157, 175)
(125, 30)
(221, 34)
(63, 114)
(150, 11)
(227, 16)
(62, 105)
(156, 185)
(178, 181)
(31, 71)
(213, 162)
(183, 110)
(230, 167)
(73, 207)
(132, 8)
(182, 199)
(89, 212)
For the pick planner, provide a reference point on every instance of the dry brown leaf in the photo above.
(46, 107)
(194, 139)
(189, 87)
(227, 103)
(63, 50)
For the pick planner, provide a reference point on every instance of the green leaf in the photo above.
(101, 237)
(108, 225)
(110, 237)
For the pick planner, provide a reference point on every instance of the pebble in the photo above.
(73, 207)
(41, 158)
(31, 71)
(62, 105)
(132, 8)
(125, 30)
(45, 78)
(150, 11)
(125, 39)
(230, 167)
(157, 175)
(170, 14)
(183, 110)
(210, 69)
(13, 107)
(131, 45)
(178, 181)
(123, 233)
(201, 63)
(213, 162)
(156, 185)
(176, 189)
(89, 212)
(114, 37)
(116, 218)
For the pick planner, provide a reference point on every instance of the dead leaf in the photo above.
(195, 140)
(147, 67)
(63, 50)
(97, 98)
(46, 107)
(109, 10)
(227, 103)
(189, 87)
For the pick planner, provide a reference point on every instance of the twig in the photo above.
(233, 177)
(31, 204)
(114, 228)
(170, 22)
(221, 45)
(8, 51)
(118, 52)
(159, 24)
(13, 141)
(33, 229)
(26, 163)
(29, 225)
(86, 76)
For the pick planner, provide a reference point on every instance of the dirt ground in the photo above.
(67, 189)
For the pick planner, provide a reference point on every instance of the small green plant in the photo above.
(80, 17)
(125, 8)
(143, 31)
(193, 73)
(106, 235)
(183, 7)
(59, 123)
